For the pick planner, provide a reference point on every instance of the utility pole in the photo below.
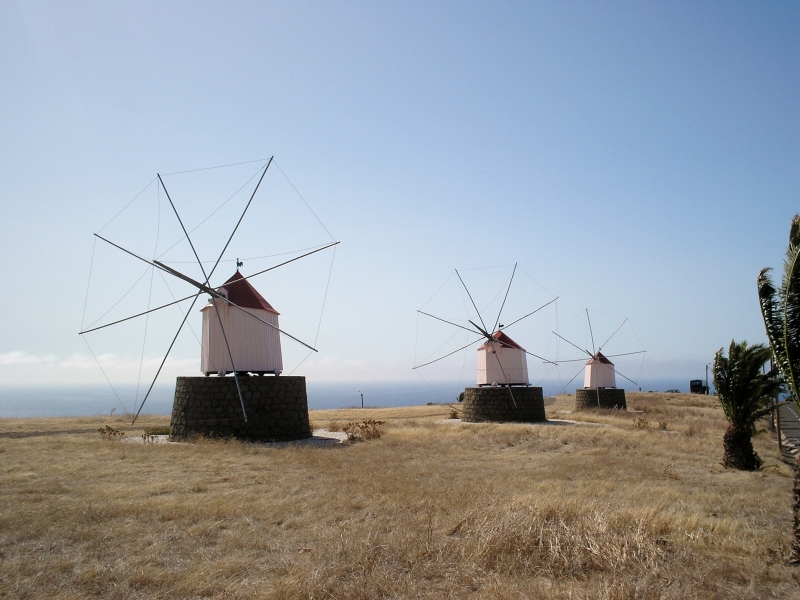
(362, 397)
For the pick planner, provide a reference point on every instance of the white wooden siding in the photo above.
(255, 347)
(599, 374)
(513, 361)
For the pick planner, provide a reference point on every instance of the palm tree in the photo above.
(780, 308)
(746, 395)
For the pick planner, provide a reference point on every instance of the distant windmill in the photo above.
(223, 315)
(501, 361)
(599, 372)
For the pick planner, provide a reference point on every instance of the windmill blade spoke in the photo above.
(448, 354)
(279, 330)
(542, 358)
(161, 366)
(583, 359)
(161, 266)
(471, 300)
(149, 262)
(623, 376)
(571, 344)
(530, 313)
(325, 247)
(505, 298)
(239, 222)
(197, 284)
(233, 366)
(594, 350)
(625, 353)
(612, 335)
(171, 271)
(508, 383)
(186, 233)
(449, 322)
(141, 314)
(570, 381)
(483, 331)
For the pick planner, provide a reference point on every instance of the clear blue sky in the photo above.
(639, 159)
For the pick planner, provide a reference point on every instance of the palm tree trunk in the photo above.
(739, 453)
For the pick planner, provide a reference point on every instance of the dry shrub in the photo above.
(157, 430)
(368, 429)
(696, 427)
(641, 423)
(516, 541)
(662, 425)
(558, 542)
(109, 433)
(453, 414)
(334, 426)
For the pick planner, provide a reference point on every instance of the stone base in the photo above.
(495, 404)
(277, 408)
(609, 398)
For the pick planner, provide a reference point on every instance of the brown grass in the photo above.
(432, 509)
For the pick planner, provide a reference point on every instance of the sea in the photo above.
(87, 400)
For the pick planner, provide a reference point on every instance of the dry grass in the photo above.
(432, 509)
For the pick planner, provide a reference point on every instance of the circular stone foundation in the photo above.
(608, 398)
(277, 408)
(483, 404)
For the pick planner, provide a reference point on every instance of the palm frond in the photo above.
(744, 391)
(773, 319)
(780, 309)
(790, 306)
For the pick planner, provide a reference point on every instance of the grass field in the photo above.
(619, 505)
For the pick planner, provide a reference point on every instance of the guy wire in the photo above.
(304, 201)
(88, 283)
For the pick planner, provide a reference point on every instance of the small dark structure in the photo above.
(277, 408)
(496, 404)
(600, 398)
(697, 386)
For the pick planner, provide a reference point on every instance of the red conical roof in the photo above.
(241, 293)
(599, 358)
(505, 341)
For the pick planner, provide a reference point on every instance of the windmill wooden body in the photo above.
(255, 345)
(502, 361)
(599, 372)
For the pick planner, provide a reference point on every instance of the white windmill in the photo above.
(241, 333)
(501, 362)
(599, 380)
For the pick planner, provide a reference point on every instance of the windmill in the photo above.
(599, 382)
(227, 313)
(502, 371)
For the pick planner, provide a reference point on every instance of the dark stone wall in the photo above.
(609, 398)
(277, 408)
(495, 404)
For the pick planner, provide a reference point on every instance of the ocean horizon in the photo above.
(68, 400)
